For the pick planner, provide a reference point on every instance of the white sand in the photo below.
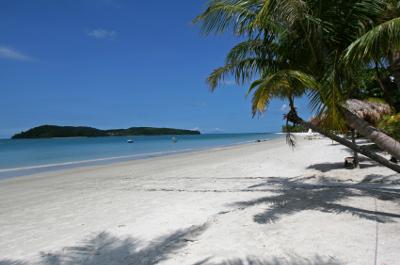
(259, 204)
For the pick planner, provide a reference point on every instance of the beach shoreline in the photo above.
(255, 202)
(10, 172)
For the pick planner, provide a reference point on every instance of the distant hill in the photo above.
(50, 131)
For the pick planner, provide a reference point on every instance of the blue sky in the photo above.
(116, 64)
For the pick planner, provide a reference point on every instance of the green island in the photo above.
(50, 131)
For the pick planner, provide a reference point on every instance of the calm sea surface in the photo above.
(28, 156)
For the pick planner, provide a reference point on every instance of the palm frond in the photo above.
(376, 43)
(219, 75)
(291, 11)
(245, 49)
(282, 84)
(245, 61)
(242, 71)
(223, 14)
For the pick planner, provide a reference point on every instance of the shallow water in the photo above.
(28, 156)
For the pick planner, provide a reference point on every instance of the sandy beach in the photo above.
(258, 203)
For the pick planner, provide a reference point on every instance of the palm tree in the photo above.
(381, 44)
(287, 49)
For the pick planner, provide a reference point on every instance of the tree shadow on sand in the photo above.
(293, 260)
(325, 167)
(105, 249)
(294, 195)
(12, 262)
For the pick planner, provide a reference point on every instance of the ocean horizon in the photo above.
(29, 156)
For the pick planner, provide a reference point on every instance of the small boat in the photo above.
(130, 141)
(174, 140)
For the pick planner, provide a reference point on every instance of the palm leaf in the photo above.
(376, 43)
(242, 71)
(282, 84)
(223, 14)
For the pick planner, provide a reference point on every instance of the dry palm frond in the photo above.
(366, 110)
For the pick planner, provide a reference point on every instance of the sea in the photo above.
(20, 157)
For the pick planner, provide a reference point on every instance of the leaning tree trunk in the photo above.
(355, 154)
(384, 141)
(292, 116)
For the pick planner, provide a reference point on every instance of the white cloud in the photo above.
(12, 54)
(102, 34)
(284, 108)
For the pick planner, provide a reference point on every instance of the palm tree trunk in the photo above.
(384, 141)
(292, 116)
(353, 140)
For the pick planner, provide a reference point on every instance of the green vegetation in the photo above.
(308, 47)
(49, 131)
(293, 128)
(372, 89)
(330, 51)
(391, 125)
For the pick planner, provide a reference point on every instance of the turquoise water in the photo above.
(28, 156)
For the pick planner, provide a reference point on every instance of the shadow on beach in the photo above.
(289, 196)
(325, 167)
(293, 195)
(105, 249)
(293, 260)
